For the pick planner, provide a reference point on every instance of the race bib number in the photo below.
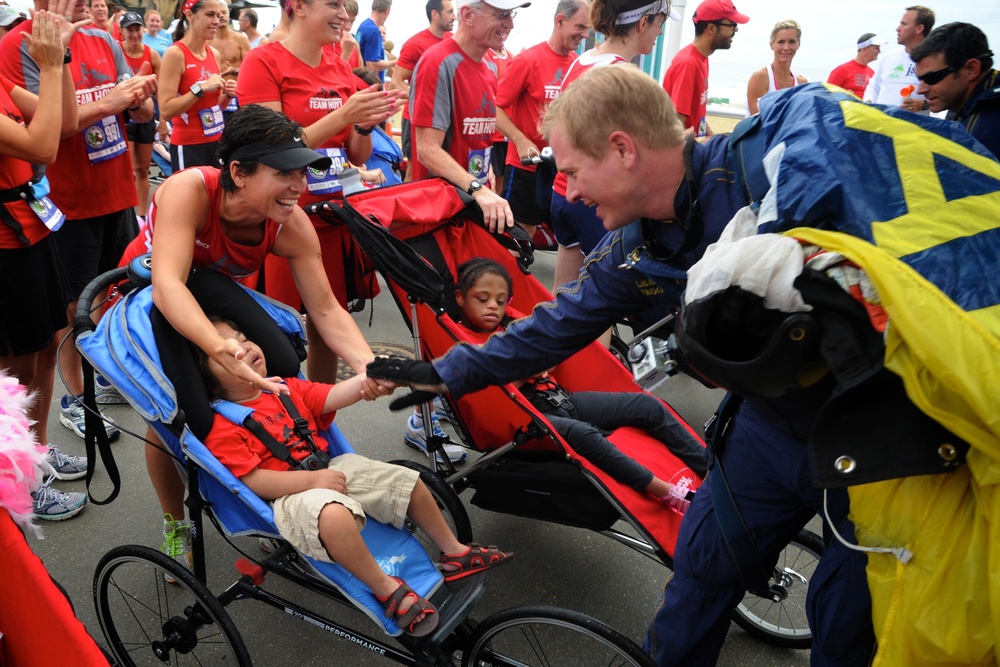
(48, 213)
(479, 163)
(233, 104)
(104, 140)
(327, 182)
(211, 121)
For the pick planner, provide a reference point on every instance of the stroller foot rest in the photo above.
(455, 609)
(250, 569)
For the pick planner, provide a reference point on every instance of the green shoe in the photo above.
(176, 542)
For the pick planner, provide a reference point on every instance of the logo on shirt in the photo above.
(92, 77)
(326, 99)
(88, 95)
(14, 115)
(553, 87)
(94, 136)
(486, 123)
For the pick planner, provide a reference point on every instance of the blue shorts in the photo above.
(575, 224)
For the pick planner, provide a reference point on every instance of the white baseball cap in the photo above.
(496, 4)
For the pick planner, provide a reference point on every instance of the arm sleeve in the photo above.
(408, 57)
(30, 69)
(512, 82)
(431, 95)
(680, 85)
(874, 86)
(256, 82)
(836, 77)
(555, 331)
(230, 444)
(122, 68)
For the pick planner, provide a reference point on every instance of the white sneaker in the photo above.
(415, 437)
(107, 393)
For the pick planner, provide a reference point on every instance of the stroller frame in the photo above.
(183, 620)
(389, 230)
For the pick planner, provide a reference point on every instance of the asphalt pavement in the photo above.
(555, 565)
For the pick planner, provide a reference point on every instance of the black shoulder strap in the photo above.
(734, 530)
(747, 145)
(96, 439)
(280, 450)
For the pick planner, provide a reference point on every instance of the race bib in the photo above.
(479, 163)
(48, 213)
(233, 104)
(104, 140)
(327, 182)
(211, 121)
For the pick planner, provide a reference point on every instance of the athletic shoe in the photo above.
(54, 505)
(414, 436)
(73, 417)
(107, 393)
(442, 411)
(176, 543)
(66, 467)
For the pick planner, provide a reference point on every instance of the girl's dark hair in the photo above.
(250, 124)
(182, 24)
(471, 271)
(212, 385)
(604, 16)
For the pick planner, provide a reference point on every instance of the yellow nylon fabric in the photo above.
(943, 607)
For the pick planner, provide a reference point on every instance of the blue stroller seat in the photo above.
(134, 348)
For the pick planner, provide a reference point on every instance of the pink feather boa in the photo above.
(22, 460)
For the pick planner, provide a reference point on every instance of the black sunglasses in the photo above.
(723, 24)
(930, 78)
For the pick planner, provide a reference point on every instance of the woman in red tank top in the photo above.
(229, 220)
(33, 289)
(140, 135)
(192, 93)
(303, 78)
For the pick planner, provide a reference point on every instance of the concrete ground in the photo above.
(555, 565)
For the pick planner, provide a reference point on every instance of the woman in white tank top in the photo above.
(785, 39)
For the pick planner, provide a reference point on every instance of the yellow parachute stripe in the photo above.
(930, 220)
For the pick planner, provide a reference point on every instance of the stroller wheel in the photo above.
(784, 623)
(447, 501)
(148, 621)
(549, 636)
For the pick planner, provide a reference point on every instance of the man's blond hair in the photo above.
(612, 98)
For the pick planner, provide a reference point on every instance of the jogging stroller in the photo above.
(147, 620)
(417, 234)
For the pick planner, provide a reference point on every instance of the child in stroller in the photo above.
(483, 291)
(320, 504)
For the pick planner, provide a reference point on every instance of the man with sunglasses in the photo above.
(895, 71)
(955, 68)
(686, 80)
(453, 110)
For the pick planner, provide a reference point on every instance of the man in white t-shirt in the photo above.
(896, 72)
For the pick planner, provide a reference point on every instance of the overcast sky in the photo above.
(829, 30)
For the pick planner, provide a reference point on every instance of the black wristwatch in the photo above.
(474, 187)
(196, 90)
(364, 131)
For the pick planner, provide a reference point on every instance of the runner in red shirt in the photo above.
(140, 135)
(630, 29)
(453, 105)
(855, 73)
(91, 180)
(301, 77)
(192, 92)
(441, 15)
(686, 80)
(528, 84)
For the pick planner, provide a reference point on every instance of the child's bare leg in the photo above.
(424, 512)
(166, 481)
(339, 533)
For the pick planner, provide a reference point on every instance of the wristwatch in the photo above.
(474, 187)
(196, 90)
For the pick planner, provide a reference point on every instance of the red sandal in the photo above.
(420, 628)
(476, 559)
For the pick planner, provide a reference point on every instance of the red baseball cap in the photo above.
(717, 10)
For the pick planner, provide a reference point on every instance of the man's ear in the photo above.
(622, 145)
(974, 67)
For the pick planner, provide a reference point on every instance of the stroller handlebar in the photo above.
(138, 273)
(544, 157)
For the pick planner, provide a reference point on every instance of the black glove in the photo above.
(417, 374)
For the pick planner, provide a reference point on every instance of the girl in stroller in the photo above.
(483, 291)
(320, 504)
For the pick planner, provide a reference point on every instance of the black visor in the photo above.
(287, 156)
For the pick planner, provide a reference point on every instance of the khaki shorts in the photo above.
(376, 489)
